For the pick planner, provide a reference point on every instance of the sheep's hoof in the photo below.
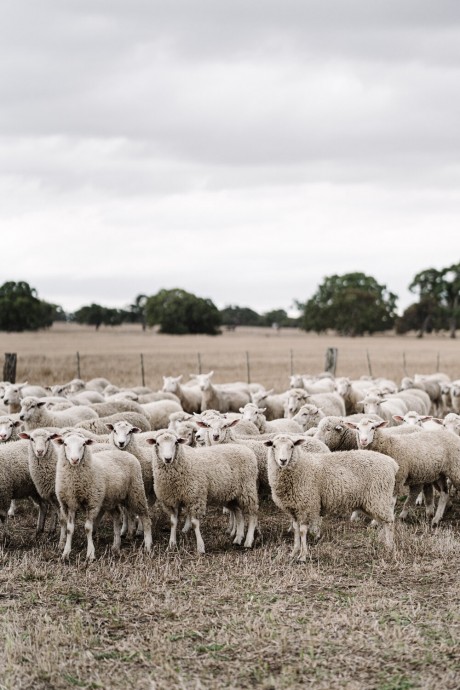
(301, 559)
(434, 524)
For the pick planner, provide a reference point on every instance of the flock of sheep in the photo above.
(324, 446)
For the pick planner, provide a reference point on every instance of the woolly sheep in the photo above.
(273, 403)
(158, 413)
(108, 408)
(15, 393)
(423, 458)
(189, 398)
(194, 477)
(374, 404)
(308, 416)
(224, 400)
(15, 480)
(34, 415)
(308, 485)
(255, 414)
(330, 403)
(103, 481)
(451, 422)
(10, 427)
(425, 422)
(123, 437)
(334, 432)
(431, 386)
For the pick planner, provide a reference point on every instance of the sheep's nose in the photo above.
(21, 417)
(215, 437)
(40, 453)
(168, 460)
(283, 461)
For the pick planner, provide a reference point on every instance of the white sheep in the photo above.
(451, 422)
(423, 458)
(15, 393)
(309, 485)
(383, 407)
(123, 437)
(223, 399)
(103, 481)
(194, 477)
(273, 403)
(252, 413)
(189, 397)
(99, 425)
(330, 403)
(158, 413)
(34, 415)
(425, 422)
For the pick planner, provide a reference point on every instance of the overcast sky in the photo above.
(239, 149)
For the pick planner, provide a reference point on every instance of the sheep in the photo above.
(34, 415)
(255, 414)
(425, 422)
(156, 396)
(98, 384)
(431, 386)
(308, 485)
(192, 477)
(334, 432)
(424, 458)
(446, 398)
(311, 385)
(189, 398)
(10, 427)
(177, 418)
(99, 425)
(42, 458)
(352, 393)
(273, 404)
(414, 398)
(384, 408)
(15, 393)
(123, 437)
(308, 417)
(451, 422)
(158, 413)
(98, 482)
(108, 408)
(15, 480)
(224, 400)
(330, 403)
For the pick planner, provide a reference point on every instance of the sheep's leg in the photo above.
(232, 520)
(117, 522)
(442, 503)
(42, 511)
(199, 539)
(147, 529)
(421, 497)
(63, 524)
(296, 547)
(315, 528)
(410, 500)
(90, 552)
(250, 533)
(303, 529)
(4, 522)
(356, 516)
(387, 534)
(173, 516)
(239, 519)
(139, 528)
(124, 526)
(12, 509)
(54, 520)
(428, 499)
(70, 527)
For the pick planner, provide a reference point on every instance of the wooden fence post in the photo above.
(9, 367)
(248, 368)
(292, 363)
(199, 362)
(142, 370)
(78, 366)
(331, 360)
(369, 366)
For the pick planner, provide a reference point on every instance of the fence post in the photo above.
(78, 366)
(331, 360)
(369, 366)
(437, 362)
(292, 363)
(199, 362)
(404, 365)
(248, 368)
(142, 370)
(9, 367)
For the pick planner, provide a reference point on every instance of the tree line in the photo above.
(351, 304)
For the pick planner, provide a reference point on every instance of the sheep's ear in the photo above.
(203, 425)
(181, 440)
(351, 425)
(437, 420)
(24, 435)
(48, 388)
(426, 418)
(89, 442)
(40, 404)
(59, 441)
(211, 374)
(17, 423)
(110, 427)
(268, 443)
(262, 409)
(398, 418)
(135, 430)
(232, 423)
(51, 437)
(179, 378)
(151, 441)
(379, 425)
(299, 442)
(241, 410)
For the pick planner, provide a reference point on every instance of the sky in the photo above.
(239, 150)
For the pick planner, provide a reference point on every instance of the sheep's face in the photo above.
(166, 446)
(308, 416)
(295, 381)
(12, 395)
(171, 384)
(294, 402)
(121, 433)
(6, 429)
(342, 386)
(365, 431)
(204, 381)
(29, 407)
(452, 423)
(217, 429)
(371, 405)
(411, 418)
(74, 447)
(39, 441)
(250, 412)
(76, 385)
(282, 449)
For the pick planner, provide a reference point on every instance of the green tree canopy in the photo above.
(352, 304)
(240, 316)
(179, 312)
(442, 286)
(22, 310)
(96, 315)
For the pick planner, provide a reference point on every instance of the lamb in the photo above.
(224, 400)
(192, 477)
(158, 413)
(308, 485)
(424, 458)
(99, 425)
(15, 480)
(104, 481)
(330, 403)
(255, 414)
(34, 415)
(273, 404)
(189, 398)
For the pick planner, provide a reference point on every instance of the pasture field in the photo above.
(353, 617)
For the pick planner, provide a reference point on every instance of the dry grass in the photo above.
(350, 618)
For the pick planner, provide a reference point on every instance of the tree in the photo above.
(22, 310)
(96, 315)
(352, 304)
(280, 318)
(239, 316)
(424, 317)
(179, 312)
(444, 287)
(137, 311)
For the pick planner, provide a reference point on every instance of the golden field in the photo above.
(353, 617)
